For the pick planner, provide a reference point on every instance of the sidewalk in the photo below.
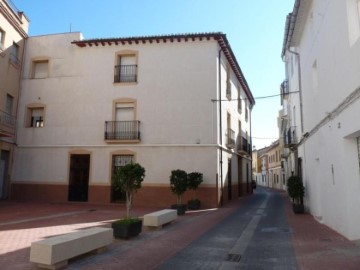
(319, 247)
(316, 246)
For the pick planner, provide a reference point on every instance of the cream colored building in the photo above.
(13, 34)
(321, 94)
(166, 102)
(274, 166)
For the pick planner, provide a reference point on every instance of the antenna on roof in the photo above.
(70, 27)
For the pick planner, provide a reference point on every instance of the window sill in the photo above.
(124, 83)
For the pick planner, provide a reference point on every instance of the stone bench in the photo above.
(53, 252)
(159, 218)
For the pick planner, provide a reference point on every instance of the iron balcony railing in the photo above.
(284, 89)
(7, 119)
(122, 130)
(125, 73)
(244, 145)
(230, 138)
(290, 137)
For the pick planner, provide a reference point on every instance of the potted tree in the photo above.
(296, 191)
(194, 180)
(178, 185)
(128, 178)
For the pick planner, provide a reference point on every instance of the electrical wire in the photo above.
(262, 97)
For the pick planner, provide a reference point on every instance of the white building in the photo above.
(166, 102)
(321, 52)
(13, 34)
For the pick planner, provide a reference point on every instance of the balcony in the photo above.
(290, 137)
(7, 124)
(284, 89)
(243, 146)
(122, 131)
(125, 73)
(230, 138)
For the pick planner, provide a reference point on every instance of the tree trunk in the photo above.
(128, 203)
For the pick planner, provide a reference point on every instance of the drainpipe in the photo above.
(221, 141)
(251, 160)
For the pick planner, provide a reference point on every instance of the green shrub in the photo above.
(178, 183)
(295, 189)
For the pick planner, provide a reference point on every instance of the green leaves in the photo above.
(129, 177)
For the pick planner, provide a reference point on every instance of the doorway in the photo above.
(229, 181)
(79, 178)
(4, 172)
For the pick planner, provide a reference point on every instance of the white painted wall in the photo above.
(329, 50)
(179, 121)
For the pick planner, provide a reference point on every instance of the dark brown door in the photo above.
(79, 178)
(229, 181)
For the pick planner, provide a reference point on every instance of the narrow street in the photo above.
(254, 232)
(255, 236)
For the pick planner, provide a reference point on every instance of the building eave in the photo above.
(217, 36)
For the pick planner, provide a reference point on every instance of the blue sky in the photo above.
(254, 29)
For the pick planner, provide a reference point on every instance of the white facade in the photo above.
(69, 93)
(325, 36)
(13, 34)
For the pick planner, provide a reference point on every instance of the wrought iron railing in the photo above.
(122, 130)
(125, 73)
(7, 119)
(290, 136)
(230, 138)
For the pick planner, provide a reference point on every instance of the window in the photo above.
(124, 126)
(118, 161)
(9, 104)
(121, 161)
(7, 117)
(35, 117)
(126, 69)
(239, 100)
(14, 55)
(2, 40)
(228, 83)
(246, 111)
(40, 69)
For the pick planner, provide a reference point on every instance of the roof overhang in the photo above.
(295, 24)
(218, 36)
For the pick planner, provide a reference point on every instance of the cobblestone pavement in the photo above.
(256, 232)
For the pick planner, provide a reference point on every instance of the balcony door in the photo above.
(125, 126)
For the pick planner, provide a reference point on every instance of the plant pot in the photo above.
(181, 208)
(127, 229)
(194, 204)
(298, 208)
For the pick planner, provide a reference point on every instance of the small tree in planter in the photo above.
(194, 180)
(178, 185)
(296, 191)
(128, 178)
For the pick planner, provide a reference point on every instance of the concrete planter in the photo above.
(181, 208)
(127, 229)
(298, 208)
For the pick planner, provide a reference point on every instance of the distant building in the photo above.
(167, 102)
(13, 34)
(321, 103)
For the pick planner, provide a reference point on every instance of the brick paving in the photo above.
(315, 245)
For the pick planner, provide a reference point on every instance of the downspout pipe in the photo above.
(220, 131)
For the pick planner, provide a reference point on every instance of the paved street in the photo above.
(257, 232)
